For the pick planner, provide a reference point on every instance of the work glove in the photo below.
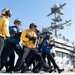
(51, 45)
(18, 34)
(33, 39)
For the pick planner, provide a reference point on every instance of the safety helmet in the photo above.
(6, 12)
(33, 25)
(17, 21)
(47, 36)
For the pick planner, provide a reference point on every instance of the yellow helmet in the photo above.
(6, 12)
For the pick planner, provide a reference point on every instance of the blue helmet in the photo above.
(17, 20)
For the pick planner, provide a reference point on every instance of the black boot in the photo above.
(55, 70)
(51, 70)
(25, 69)
(60, 70)
(48, 69)
(35, 71)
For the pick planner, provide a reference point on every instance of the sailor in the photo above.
(4, 28)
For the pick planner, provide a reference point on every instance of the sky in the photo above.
(36, 11)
